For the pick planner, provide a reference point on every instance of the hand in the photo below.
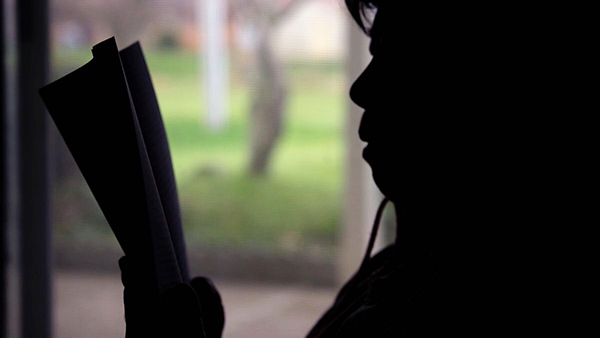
(191, 310)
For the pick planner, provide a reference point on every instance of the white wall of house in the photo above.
(315, 30)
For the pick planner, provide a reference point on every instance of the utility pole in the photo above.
(212, 26)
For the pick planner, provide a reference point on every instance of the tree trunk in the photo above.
(268, 106)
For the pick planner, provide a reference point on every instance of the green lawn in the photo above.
(298, 203)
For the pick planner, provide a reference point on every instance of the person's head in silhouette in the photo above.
(421, 151)
(371, 91)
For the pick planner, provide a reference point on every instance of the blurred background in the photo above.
(277, 203)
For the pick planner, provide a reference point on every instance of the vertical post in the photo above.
(32, 44)
(213, 14)
(3, 164)
(10, 184)
(361, 197)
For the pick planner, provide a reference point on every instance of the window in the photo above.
(254, 99)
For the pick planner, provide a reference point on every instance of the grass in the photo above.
(299, 202)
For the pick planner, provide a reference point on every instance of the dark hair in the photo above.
(359, 10)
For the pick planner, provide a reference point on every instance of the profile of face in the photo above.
(375, 92)
(410, 138)
(418, 119)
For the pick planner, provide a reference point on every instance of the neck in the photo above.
(419, 232)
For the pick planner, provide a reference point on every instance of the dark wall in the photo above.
(33, 140)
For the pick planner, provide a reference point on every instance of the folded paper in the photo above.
(108, 115)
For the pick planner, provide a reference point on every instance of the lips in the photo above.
(367, 153)
(364, 128)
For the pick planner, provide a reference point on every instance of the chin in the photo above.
(387, 184)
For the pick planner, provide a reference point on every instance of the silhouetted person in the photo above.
(466, 108)
(421, 97)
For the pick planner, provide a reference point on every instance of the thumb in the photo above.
(213, 314)
(181, 315)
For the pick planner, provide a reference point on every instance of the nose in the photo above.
(361, 90)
